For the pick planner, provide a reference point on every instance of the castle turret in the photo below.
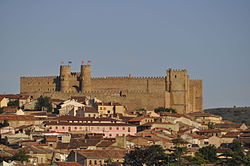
(177, 84)
(65, 72)
(85, 78)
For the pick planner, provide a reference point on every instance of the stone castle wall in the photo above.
(175, 90)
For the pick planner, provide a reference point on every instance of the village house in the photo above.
(3, 101)
(60, 163)
(38, 155)
(22, 99)
(109, 109)
(141, 120)
(109, 130)
(212, 132)
(205, 117)
(96, 157)
(70, 107)
(152, 125)
(89, 112)
(20, 120)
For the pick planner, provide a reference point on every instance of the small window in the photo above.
(117, 128)
(110, 128)
(100, 108)
(108, 112)
(75, 127)
(62, 127)
(175, 76)
(123, 128)
(129, 129)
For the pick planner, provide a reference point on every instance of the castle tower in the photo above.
(177, 85)
(85, 78)
(65, 72)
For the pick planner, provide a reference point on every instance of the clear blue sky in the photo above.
(211, 39)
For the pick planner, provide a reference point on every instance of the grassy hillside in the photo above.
(236, 114)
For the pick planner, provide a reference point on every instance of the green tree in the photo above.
(21, 156)
(210, 125)
(13, 103)
(237, 155)
(43, 103)
(162, 109)
(1, 110)
(178, 151)
(152, 155)
(4, 124)
(208, 154)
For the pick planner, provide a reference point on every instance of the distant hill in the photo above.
(235, 114)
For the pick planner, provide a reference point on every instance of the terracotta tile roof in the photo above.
(151, 123)
(196, 136)
(139, 118)
(23, 127)
(103, 154)
(87, 124)
(36, 150)
(126, 118)
(62, 145)
(90, 110)
(10, 110)
(75, 118)
(231, 135)
(68, 163)
(105, 143)
(170, 114)
(20, 117)
(78, 143)
(201, 114)
(210, 131)
(227, 125)
(51, 138)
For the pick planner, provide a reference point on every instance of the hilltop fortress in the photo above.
(175, 90)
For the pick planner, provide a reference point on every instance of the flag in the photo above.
(89, 61)
(69, 62)
(82, 62)
(62, 62)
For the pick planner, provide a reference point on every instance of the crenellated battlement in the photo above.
(125, 77)
(35, 77)
(174, 89)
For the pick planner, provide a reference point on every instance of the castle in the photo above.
(175, 90)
